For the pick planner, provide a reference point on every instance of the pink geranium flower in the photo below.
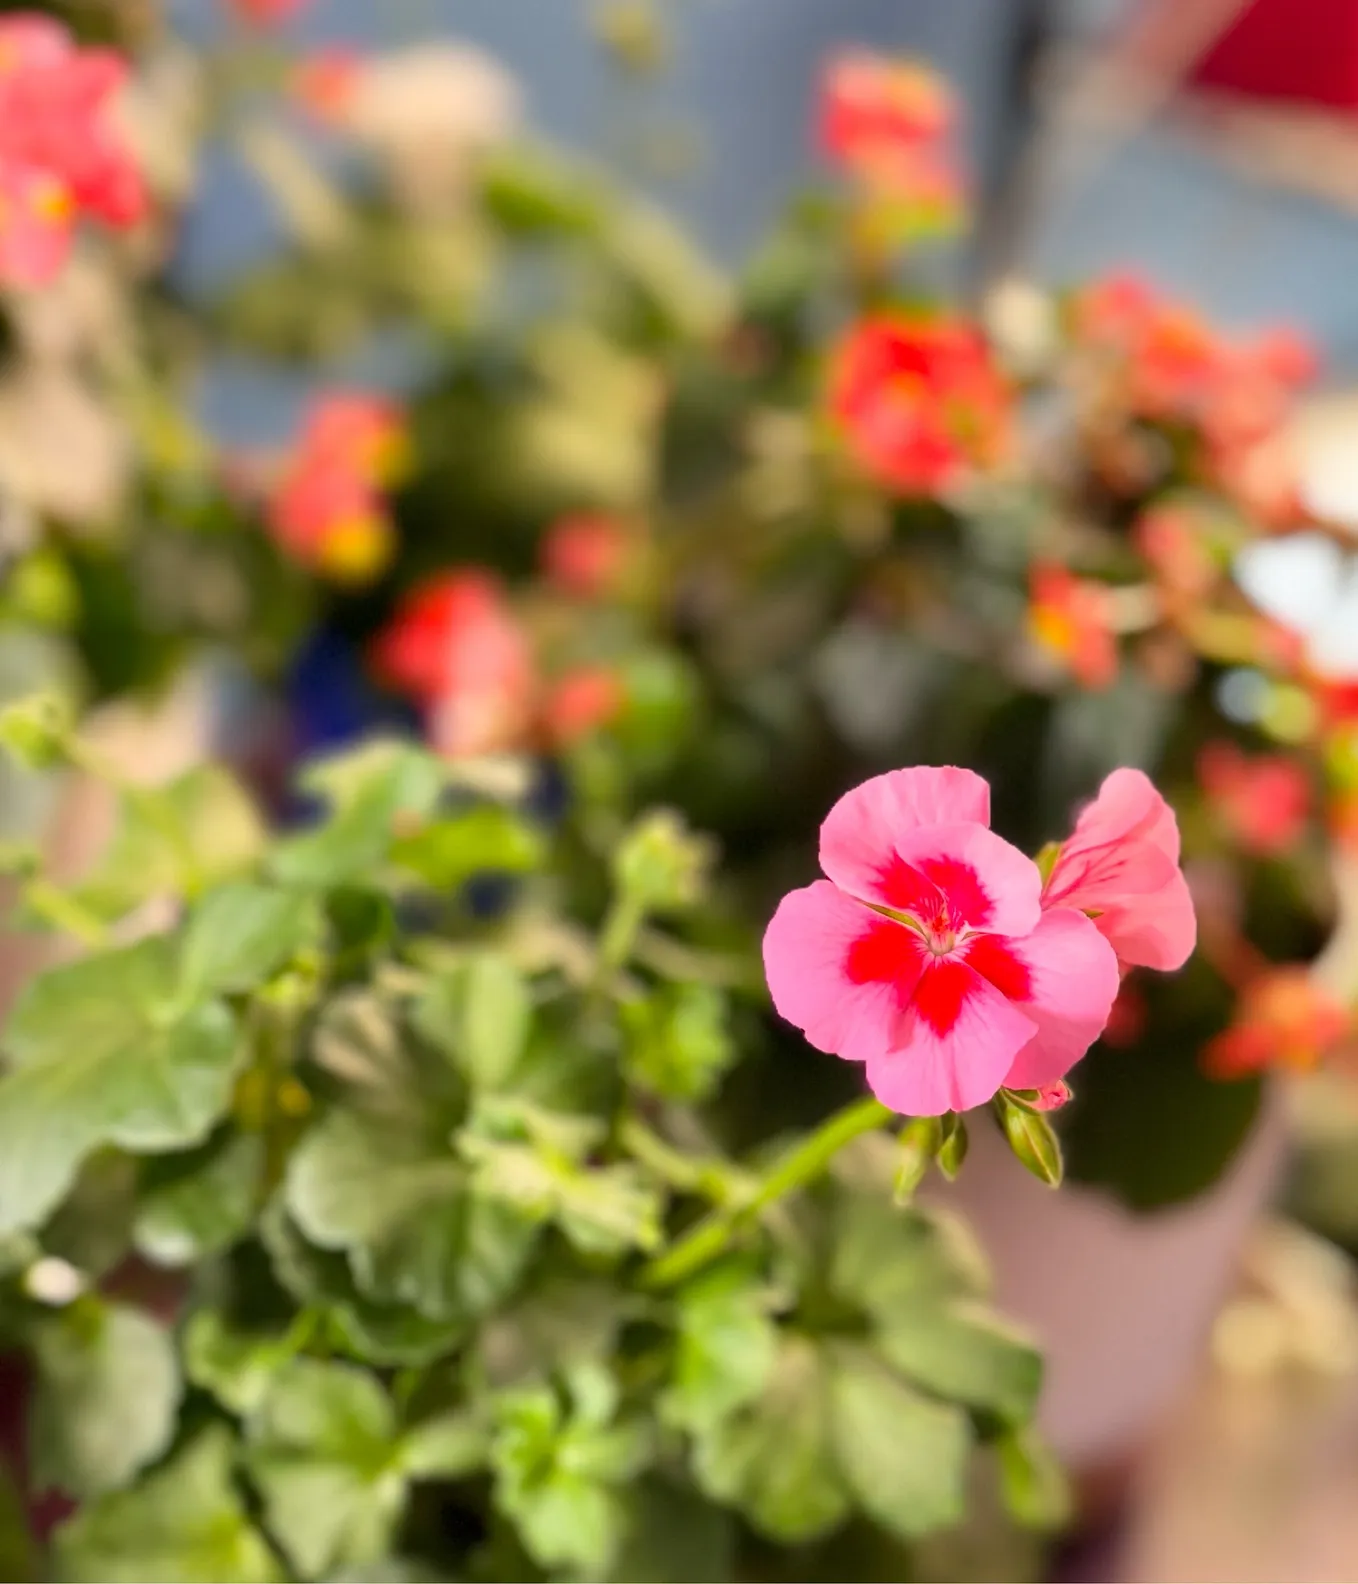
(63, 154)
(36, 219)
(1122, 868)
(927, 955)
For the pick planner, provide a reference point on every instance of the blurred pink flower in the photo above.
(63, 153)
(926, 954)
(1121, 867)
(36, 218)
(585, 554)
(1263, 802)
(875, 110)
(458, 649)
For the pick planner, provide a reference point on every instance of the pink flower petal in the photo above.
(1122, 863)
(1160, 934)
(842, 973)
(859, 837)
(955, 1047)
(987, 883)
(36, 226)
(1064, 976)
(1128, 807)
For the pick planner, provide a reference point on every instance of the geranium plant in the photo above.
(378, 1212)
(417, 1174)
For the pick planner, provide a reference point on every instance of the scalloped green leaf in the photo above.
(105, 1051)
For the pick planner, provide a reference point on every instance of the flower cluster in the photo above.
(919, 401)
(63, 154)
(458, 648)
(937, 956)
(890, 124)
(1151, 358)
(327, 509)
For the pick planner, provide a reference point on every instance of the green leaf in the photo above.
(196, 1205)
(678, 1042)
(557, 1474)
(479, 1015)
(1032, 1482)
(183, 1525)
(371, 791)
(725, 1349)
(601, 1209)
(199, 829)
(903, 1456)
(486, 839)
(675, 1537)
(887, 1259)
(238, 1367)
(448, 1447)
(560, 1322)
(322, 1449)
(775, 1459)
(402, 1209)
(108, 1392)
(964, 1353)
(105, 1052)
(240, 935)
(377, 1333)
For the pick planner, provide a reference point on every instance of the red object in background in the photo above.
(1305, 51)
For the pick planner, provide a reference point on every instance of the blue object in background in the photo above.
(331, 701)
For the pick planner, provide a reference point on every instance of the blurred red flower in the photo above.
(1071, 617)
(579, 703)
(919, 401)
(1283, 1019)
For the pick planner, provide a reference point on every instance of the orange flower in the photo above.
(1263, 802)
(327, 510)
(324, 83)
(1071, 617)
(1283, 1019)
(919, 401)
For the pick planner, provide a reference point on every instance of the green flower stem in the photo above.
(710, 1179)
(802, 1164)
(59, 908)
(625, 918)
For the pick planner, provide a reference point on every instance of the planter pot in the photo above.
(1121, 1302)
